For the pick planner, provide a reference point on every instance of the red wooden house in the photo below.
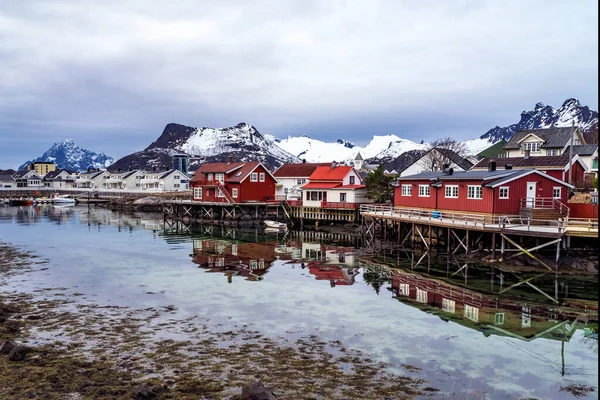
(493, 192)
(233, 182)
(555, 166)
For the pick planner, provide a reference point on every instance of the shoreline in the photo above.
(80, 349)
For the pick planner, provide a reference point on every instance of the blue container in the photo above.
(436, 214)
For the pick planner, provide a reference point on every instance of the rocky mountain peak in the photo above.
(67, 155)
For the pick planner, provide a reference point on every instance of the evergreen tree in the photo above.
(379, 185)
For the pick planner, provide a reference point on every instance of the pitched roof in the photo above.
(455, 158)
(524, 172)
(327, 173)
(6, 178)
(553, 137)
(358, 157)
(544, 162)
(321, 185)
(583, 149)
(297, 170)
(54, 174)
(223, 168)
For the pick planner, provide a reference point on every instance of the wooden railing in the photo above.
(545, 202)
(460, 218)
(344, 205)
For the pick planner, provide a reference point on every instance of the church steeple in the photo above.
(358, 162)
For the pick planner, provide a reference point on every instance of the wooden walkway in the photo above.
(509, 224)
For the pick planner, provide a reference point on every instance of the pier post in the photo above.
(413, 235)
(429, 235)
(467, 243)
(557, 256)
(502, 248)
(448, 243)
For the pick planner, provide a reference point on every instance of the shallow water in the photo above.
(286, 287)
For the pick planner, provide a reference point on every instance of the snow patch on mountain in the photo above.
(545, 116)
(67, 155)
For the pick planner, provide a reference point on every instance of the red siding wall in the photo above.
(583, 210)
(518, 190)
(461, 203)
(257, 191)
(209, 194)
(414, 200)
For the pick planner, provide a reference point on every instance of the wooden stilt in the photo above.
(467, 242)
(448, 243)
(525, 251)
(501, 247)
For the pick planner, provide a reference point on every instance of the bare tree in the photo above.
(441, 152)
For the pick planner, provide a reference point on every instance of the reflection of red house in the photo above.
(335, 274)
(523, 318)
(233, 182)
(251, 260)
(495, 192)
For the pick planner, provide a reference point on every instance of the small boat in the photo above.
(63, 199)
(275, 225)
(21, 202)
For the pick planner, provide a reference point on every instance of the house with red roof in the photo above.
(334, 186)
(233, 182)
(291, 177)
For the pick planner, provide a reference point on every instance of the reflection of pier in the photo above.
(470, 233)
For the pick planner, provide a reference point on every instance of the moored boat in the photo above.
(21, 202)
(275, 225)
(63, 199)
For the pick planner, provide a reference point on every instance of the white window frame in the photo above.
(472, 313)
(448, 305)
(209, 176)
(407, 190)
(552, 152)
(507, 188)
(351, 179)
(261, 177)
(220, 177)
(421, 296)
(404, 289)
(198, 193)
(254, 177)
(477, 190)
(499, 319)
(451, 187)
(554, 189)
(533, 147)
(220, 192)
(234, 193)
(424, 191)
(344, 197)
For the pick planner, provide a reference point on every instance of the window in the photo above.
(234, 193)
(406, 190)
(533, 147)
(220, 193)
(499, 319)
(452, 191)
(404, 289)
(176, 185)
(474, 192)
(421, 296)
(342, 197)
(556, 192)
(261, 177)
(552, 152)
(352, 180)
(424, 190)
(254, 177)
(197, 193)
(220, 177)
(503, 194)
(448, 305)
(298, 181)
(209, 177)
(176, 176)
(307, 195)
(472, 313)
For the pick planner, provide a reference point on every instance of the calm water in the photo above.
(289, 286)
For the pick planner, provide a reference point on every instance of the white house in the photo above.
(7, 181)
(291, 177)
(332, 186)
(542, 142)
(59, 179)
(440, 156)
(588, 153)
(174, 180)
(93, 178)
(28, 179)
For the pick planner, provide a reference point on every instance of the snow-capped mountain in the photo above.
(313, 150)
(241, 142)
(67, 155)
(543, 116)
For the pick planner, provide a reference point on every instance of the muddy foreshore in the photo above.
(77, 349)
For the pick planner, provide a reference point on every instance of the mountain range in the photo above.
(67, 155)
(244, 142)
(543, 116)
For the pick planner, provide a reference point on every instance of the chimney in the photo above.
(304, 161)
(333, 164)
(492, 166)
(449, 171)
(445, 166)
(229, 160)
(508, 166)
(154, 169)
(526, 156)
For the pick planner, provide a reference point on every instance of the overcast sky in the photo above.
(111, 74)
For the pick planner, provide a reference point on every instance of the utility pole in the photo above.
(571, 154)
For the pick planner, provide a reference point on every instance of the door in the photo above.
(531, 190)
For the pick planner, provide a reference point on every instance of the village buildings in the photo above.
(291, 178)
(542, 142)
(437, 159)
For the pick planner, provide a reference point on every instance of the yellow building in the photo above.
(42, 168)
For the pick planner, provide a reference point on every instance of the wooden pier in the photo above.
(474, 232)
